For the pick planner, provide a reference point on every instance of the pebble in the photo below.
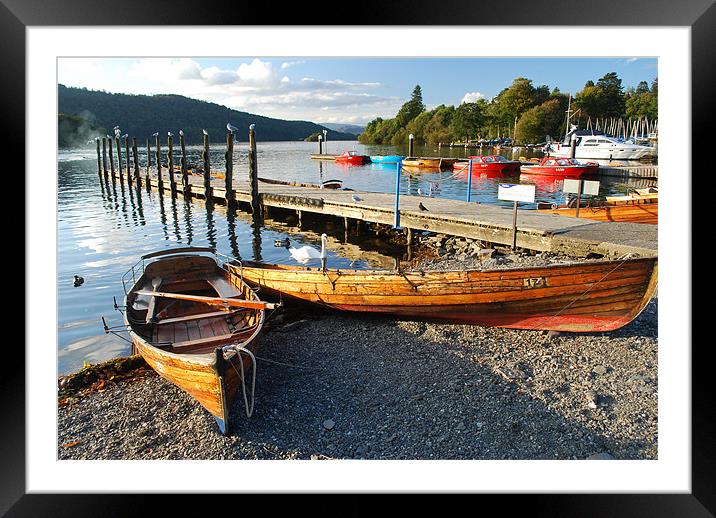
(328, 424)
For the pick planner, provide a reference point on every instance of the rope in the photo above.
(239, 349)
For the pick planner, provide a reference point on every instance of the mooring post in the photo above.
(325, 140)
(411, 139)
(104, 155)
(135, 157)
(253, 173)
(396, 220)
(149, 166)
(99, 158)
(170, 164)
(111, 158)
(160, 183)
(126, 148)
(320, 144)
(184, 172)
(228, 177)
(207, 168)
(119, 157)
(469, 179)
(573, 146)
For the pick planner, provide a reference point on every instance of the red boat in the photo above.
(564, 167)
(491, 164)
(351, 157)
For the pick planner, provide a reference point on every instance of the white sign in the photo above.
(516, 192)
(588, 186)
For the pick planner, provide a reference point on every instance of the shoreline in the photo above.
(342, 386)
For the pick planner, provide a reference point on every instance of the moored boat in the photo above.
(352, 157)
(496, 165)
(196, 324)
(596, 145)
(636, 207)
(386, 159)
(564, 167)
(580, 297)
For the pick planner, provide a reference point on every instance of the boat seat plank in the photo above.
(202, 341)
(198, 316)
(223, 287)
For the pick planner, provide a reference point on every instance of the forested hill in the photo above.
(142, 115)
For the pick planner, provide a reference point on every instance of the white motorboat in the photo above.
(596, 145)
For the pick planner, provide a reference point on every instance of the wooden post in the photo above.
(320, 144)
(514, 227)
(104, 155)
(149, 165)
(170, 164)
(160, 183)
(253, 173)
(208, 192)
(228, 177)
(411, 139)
(119, 158)
(579, 198)
(573, 146)
(184, 171)
(126, 148)
(99, 159)
(111, 158)
(136, 162)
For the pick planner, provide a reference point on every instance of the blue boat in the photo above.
(386, 159)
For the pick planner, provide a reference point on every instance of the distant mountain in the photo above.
(142, 115)
(344, 128)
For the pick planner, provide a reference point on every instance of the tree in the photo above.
(612, 95)
(411, 109)
(540, 121)
(468, 119)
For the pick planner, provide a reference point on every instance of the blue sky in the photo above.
(347, 90)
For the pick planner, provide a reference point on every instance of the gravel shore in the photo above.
(338, 386)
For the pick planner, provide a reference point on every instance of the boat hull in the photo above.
(561, 171)
(208, 373)
(386, 159)
(594, 152)
(647, 213)
(585, 297)
(492, 170)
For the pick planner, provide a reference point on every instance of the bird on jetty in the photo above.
(181, 133)
(77, 281)
(306, 253)
(356, 198)
(155, 134)
(282, 242)
(125, 136)
(205, 132)
(231, 128)
(422, 207)
(170, 134)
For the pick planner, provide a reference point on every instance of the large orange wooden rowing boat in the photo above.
(637, 207)
(579, 297)
(196, 324)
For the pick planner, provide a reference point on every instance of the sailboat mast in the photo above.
(569, 109)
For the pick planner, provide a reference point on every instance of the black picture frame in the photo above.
(700, 15)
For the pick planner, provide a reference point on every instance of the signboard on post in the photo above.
(516, 192)
(590, 187)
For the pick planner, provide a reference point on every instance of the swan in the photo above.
(306, 253)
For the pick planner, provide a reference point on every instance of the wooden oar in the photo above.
(214, 301)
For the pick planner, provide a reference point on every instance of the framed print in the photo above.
(514, 397)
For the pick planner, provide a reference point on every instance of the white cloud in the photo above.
(287, 64)
(471, 97)
(631, 60)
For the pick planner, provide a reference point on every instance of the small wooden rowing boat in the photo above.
(579, 297)
(196, 324)
(427, 163)
(635, 207)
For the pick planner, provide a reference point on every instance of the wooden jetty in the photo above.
(630, 171)
(489, 223)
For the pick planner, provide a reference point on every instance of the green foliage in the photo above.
(542, 120)
(142, 115)
(411, 109)
(642, 102)
(469, 118)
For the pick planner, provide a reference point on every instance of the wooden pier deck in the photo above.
(485, 222)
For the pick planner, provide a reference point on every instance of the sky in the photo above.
(346, 90)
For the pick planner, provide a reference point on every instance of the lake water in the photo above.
(104, 227)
